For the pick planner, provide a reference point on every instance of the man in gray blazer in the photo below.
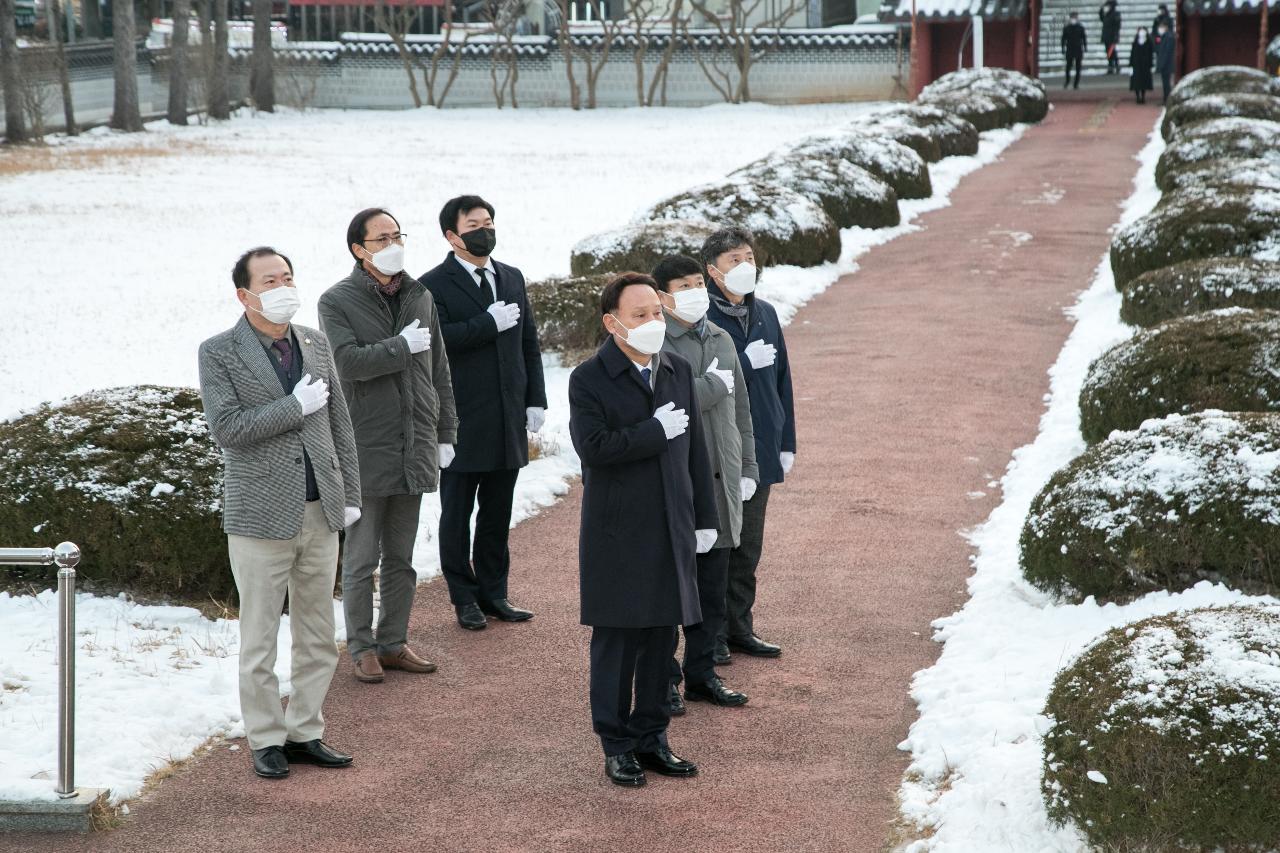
(291, 482)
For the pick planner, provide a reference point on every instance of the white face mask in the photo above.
(279, 304)
(390, 260)
(741, 280)
(647, 338)
(691, 304)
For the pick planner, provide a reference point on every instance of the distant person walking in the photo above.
(1162, 17)
(1111, 21)
(1141, 54)
(1165, 51)
(1074, 42)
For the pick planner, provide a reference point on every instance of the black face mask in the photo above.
(480, 242)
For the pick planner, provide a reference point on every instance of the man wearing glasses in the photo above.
(385, 335)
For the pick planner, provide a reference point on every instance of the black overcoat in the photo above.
(495, 376)
(1140, 61)
(643, 496)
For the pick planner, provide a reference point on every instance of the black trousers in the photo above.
(1076, 59)
(700, 639)
(1164, 83)
(631, 665)
(740, 596)
(479, 572)
(1113, 58)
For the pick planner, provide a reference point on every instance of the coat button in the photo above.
(717, 475)
(298, 461)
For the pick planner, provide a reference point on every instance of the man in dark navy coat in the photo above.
(648, 507)
(492, 342)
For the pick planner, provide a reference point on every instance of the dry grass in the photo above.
(903, 831)
(23, 159)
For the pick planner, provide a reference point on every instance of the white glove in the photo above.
(311, 394)
(787, 460)
(504, 315)
(725, 376)
(535, 417)
(445, 454)
(747, 488)
(674, 421)
(350, 515)
(419, 339)
(760, 354)
(706, 539)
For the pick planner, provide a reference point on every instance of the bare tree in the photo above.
(658, 83)
(37, 72)
(91, 15)
(219, 102)
(565, 41)
(744, 42)
(395, 22)
(1262, 35)
(178, 62)
(15, 129)
(125, 114)
(262, 74)
(641, 24)
(504, 69)
(60, 61)
(447, 47)
(591, 49)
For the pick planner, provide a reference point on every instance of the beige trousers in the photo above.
(264, 569)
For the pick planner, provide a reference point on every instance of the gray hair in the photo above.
(725, 240)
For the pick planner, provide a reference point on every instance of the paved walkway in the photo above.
(916, 378)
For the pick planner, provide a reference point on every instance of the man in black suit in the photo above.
(492, 342)
(1074, 44)
(648, 506)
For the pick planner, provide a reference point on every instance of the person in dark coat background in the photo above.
(728, 257)
(1111, 24)
(1162, 16)
(1140, 58)
(648, 508)
(1074, 43)
(492, 341)
(1165, 50)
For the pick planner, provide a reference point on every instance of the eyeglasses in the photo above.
(383, 242)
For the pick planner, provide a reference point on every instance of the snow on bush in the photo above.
(1219, 139)
(637, 247)
(851, 196)
(918, 139)
(1204, 285)
(132, 477)
(955, 136)
(1226, 359)
(1198, 223)
(1163, 735)
(1163, 507)
(892, 162)
(1208, 107)
(568, 313)
(1001, 86)
(1234, 174)
(1223, 79)
(789, 228)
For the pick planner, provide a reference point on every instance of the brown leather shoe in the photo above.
(368, 669)
(407, 660)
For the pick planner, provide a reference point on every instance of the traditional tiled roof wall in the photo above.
(1225, 7)
(996, 10)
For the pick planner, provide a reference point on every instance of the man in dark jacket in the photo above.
(648, 507)
(1162, 17)
(1165, 45)
(385, 335)
(1074, 43)
(1111, 23)
(496, 364)
(728, 257)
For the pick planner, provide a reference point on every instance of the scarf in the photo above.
(391, 288)
(741, 313)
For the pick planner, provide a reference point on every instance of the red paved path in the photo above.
(916, 378)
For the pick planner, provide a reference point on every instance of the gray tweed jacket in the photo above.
(262, 433)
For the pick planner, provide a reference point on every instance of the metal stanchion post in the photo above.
(67, 557)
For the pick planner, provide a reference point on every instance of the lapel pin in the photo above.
(306, 340)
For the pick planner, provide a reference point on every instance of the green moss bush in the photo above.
(1233, 174)
(637, 247)
(1223, 80)
(1163, 735)
(955, 136)
(850, 195)
(892, 162)
(915, 137)
(1216, 140)
(1177, 501)
(1208, 107)
(568, 312)
(1226, 359)
(1204, 285)
(132, 477)
(1011, 96)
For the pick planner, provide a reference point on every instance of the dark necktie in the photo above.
(286, 353)
(486, 295)
(645, 374)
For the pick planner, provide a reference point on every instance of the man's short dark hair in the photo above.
(356, 230)
(673, 267)
(240, 272)
(455, 207)
(612, 293)
(725, 240)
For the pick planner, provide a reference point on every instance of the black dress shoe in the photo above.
(471, 617)
(754, 646)
(270, 763)
(713, 690)
(502, 609)
(666, 763)
(676, 701)
(315, 752)
(624, 770)
(721, 655)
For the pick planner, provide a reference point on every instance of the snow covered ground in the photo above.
(974, 780)
(139, 253)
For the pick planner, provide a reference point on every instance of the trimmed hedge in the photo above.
(984, 111)
(912, 135)
(1194, 286)
(956, 137)
(1002, 85)
(1193, 224)
(638, 247)
(1222, 80)
(568, 312)
(1233, 174)
(1163, 735)
(1227, 359)
(851, 196)
(1219, 139)
(1208, 107)
(788, 227)
(892, 162)
(132, 477)
(1174, 502)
